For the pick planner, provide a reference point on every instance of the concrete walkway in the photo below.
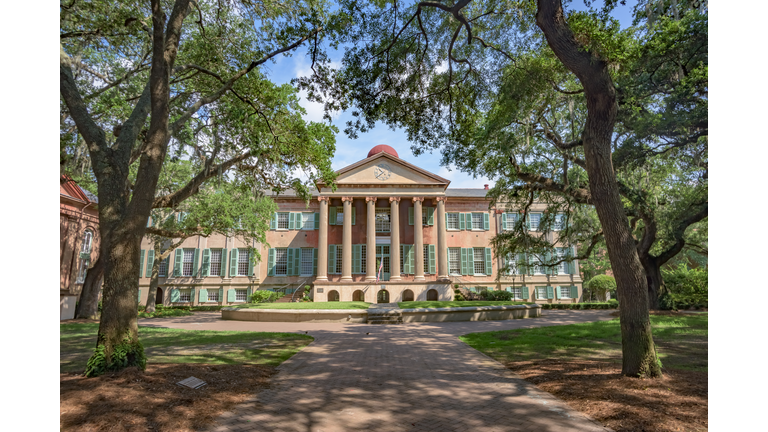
(408, 377)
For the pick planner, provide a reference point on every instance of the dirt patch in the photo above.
(676, 402)
(136, 401)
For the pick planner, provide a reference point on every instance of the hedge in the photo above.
(611, 304)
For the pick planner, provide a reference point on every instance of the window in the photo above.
(282, 221)
(559, 222)
(477, 221)
(536, 260)
(338, 258)
(85, 258)
(188, 262)
(185, 295)
(454, 261)
(382, 220)
(426, 259)
(565, 292)
(511, 220)
(243, 256)
(534, 218)
(163, 270)
(241, 294)
(307, 221)
(87, 238)
(562, 268)
(453, 221)
(541, 292)
(306, 262)
(82, 270)
(213, 295)
(512, 265)
(479, 259)
(339, 215)
(364, 258)
(517, 293)
(215, 262)
(281, 262)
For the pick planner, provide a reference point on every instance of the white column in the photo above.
(442, 243)
(346, 241)
(394, 250)
(418, 239)
(322, 241)
(370, 245)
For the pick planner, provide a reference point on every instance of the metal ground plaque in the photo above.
(192, 382)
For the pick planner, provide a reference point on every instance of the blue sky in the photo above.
(349, 151)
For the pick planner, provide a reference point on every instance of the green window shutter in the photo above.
(233, 262)
(141, 262)
(314, 262)
(231, 295)
(547, 259)
(195, 263)
(411, 258)
(332, 217)
(430, 215)
(191, 295)
(331, 259)
(410, 215)
(432, 259)
(354, 213)
(179, 255)
(461, 221)
(221, 295)
(299, 221)
(273, 222)
(317, 220)
(558, 293)
(250, 264)
(550, 293)
(486, 222)
(402, 258)
(175, 295)
(574, 292)
(150, 262)
(223, 266)
(446, 221)
(271, 262)
(464, 266)
(297, 261)
(206, 270)
(291, 220)
(528, 221)
(139, 299)
(248, 293)
(289, 269)
(488, 261)
(503, 221)
(203, 295)
(525, 293)
(357, 251)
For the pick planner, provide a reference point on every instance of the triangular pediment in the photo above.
(382, 169)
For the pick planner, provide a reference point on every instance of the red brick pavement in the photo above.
(409, 377)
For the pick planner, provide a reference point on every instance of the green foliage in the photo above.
(686, 288)
(162, 312)
(610, 304)
(454, 304)
(263, 296)
(308, 305)
(496, 295)
(123, 355)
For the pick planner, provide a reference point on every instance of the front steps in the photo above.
(386, 313)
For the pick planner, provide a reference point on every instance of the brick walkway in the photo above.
(411, 377)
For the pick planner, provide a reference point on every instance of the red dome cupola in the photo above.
(383, 148)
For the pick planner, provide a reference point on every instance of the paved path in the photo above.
(409, 377)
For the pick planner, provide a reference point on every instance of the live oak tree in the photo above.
(136, 77)
(441, 69)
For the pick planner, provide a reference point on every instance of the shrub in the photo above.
(307, 288)
(600, 285)
(497, 295)
(611, 304)
(686, 288)
(263, 296)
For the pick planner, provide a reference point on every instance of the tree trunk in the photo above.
(638, 351)
(153, 281)
(655, 281)
(88, 306)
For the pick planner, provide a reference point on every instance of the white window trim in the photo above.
(557, 226)
(182, 291)
(458, 260)
(472, 220)
(301, 261)
(240, 253)
(537, 293)
(458, 226)
(191, 262)
(287, 221)
(285, 254)
(310, 223)
(211, 263)
(538, 226)
(566, 296)
(482, 260)
(246, 295)
(209, 292)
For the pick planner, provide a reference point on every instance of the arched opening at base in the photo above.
(382, 296)
(432, 295)
(407, 295)
(358, 295)
(333, 295)
(159, 296)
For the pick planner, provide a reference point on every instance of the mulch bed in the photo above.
(132, 400)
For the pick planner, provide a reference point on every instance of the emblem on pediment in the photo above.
(382, 171)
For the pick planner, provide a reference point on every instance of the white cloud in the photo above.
(463, 180)
(303, 68)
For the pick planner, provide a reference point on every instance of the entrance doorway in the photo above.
(407, 295)
(432, 295)
(382, 296)
(159, 297)
(382, 253)
(358, 295)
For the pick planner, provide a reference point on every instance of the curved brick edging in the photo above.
(480, 313)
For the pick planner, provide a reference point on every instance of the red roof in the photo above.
(383, 148)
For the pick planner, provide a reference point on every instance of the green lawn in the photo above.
(681, 342)
(308, 305)
(76, 342)
(444, 304)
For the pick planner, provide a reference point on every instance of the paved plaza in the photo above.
(408, 377)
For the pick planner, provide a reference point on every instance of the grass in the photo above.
(681, 342)
(162, 312)
(308, 305)
(163, 345)
(444, 304)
